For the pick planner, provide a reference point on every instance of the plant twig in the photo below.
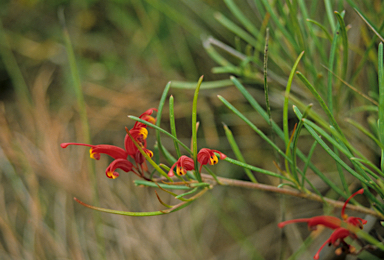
(295, 193)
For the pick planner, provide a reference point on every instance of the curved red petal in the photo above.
(113, 151)
(147, 117)
(357, 222)
(203, 156)
(328, 221)
(65, 145)
(187, 163)
(122, 164)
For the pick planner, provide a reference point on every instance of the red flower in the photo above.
(339, 233)
(206, 156)
(337, 238)
(123, 164)
(139, 132)
(355, 221)
(117, 153)
(147, 117)
(183, 165)
(328, 221)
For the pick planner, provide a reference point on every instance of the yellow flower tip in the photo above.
(180, 171)
(144, 132)
(344, 216)
(151, 119)
(149, 153)
(111, 175)
(92, 154)
(214, 159)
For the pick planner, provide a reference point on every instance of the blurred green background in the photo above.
(126, 52)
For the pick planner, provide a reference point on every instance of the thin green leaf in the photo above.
(370, 239)
(256, 169)
(328, 9)
(363, 109)
(319, 44)
(125, 213)
(331, 62)
(293, 15)
(307, 162)
(286, 98)
(237, 30)
(381, 100)
(367, 50)
(257, 130)
(365, 168)
(162, 131)
(327, 34)
(204, 85)
(237, 12)
(295, 140)
(162, 185)
(370, 164)
(237, 152)
(194, 128)
(136, 214)
(280, 133)
(343, 31)
(320, 100)
(369, 24)
(353, 88)
(309, 125)
(365, 131)
(317, 172)
(173, 125)
(167, 156)
(187, 193)
(281, 26)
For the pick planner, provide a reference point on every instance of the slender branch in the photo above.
(295, 193)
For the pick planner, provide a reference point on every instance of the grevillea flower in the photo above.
(139, 132)
(339, 233)
(206, 156)
(355, 221)
(328, 221)
(337, 238)
(117, 153)
(183, 165)
(122, 164)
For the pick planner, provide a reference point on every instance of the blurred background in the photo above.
(126, 51)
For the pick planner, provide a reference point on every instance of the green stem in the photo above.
(194, 128)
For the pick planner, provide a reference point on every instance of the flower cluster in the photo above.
(204, 156)
(139, 134)
(340, 233)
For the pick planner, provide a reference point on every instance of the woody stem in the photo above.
(295, 193)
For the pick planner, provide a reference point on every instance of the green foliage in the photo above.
(270, 49)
